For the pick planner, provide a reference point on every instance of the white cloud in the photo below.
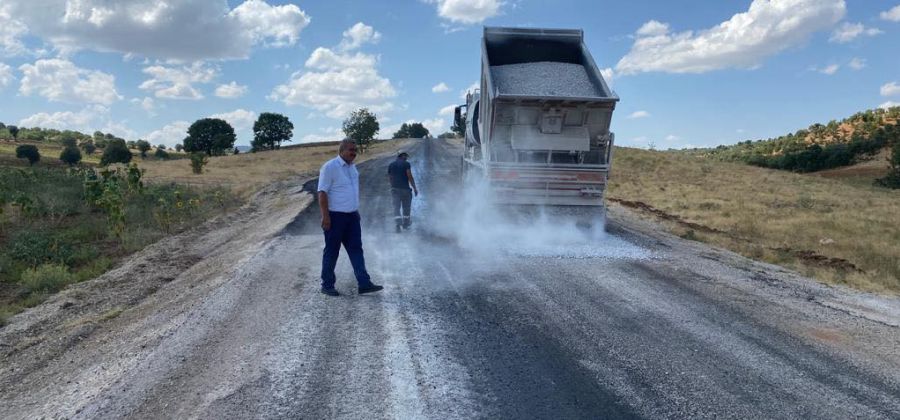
(436, 126)
(743, 41)
(147, 104)
(639, 114)
(184, 30)
(608, 75)
(892, 15)
(467, 11)
(890, 89)
(653, 28)
(447, 110)
(170, 135)
(338, 84)
(11, 30)
(857, 63)
(672, 137)
(889, 104)
(358, 35)
(231, 90)
(178, 82)
(326, 59)
(239, 119)
(325, 134)
(6, 75)
(440, 87)
(61, 81)
(850, 31)
(830, 69)
(87, 120)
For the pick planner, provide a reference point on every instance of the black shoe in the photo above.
(370, 289)
(330, 292)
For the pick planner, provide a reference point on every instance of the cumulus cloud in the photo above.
(358, 35)
(231, 90)
(6, 75)
(892, 15)
(147, 104)
(185, 30)
(61, 81)
(639, 114)
(850, 31)
(743, 41)
(239, 119)
(857, 63)
(889, 104)
(178, 82)
(11, 31)
(87, 120)
(471, 88)
(324, 134)
(890, 89)
(337, 84)
(170, 135)
(608, 75)
(467, 11)
(440, 87)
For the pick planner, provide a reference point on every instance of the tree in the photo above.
(179, 147)
(28, 151)
(88, 147)
(361, 126)
(411, 131)
(161, 153)
(116, 151)
(210, 135)
(143, 146)
(67, 139)
(14, 131)
(447, 135)
(70, 155)
(270, 130)
(198, 161)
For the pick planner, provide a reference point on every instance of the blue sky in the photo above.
(689, 73)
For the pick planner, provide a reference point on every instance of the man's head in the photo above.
(403, 156)
(347, 150)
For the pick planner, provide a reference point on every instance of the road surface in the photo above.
(481, 317)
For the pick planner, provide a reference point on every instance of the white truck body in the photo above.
(536, 137)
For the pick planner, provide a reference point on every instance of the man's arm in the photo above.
(323, 207)
(412, 181)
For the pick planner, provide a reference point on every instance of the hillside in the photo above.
(826, 228)
(818, 147)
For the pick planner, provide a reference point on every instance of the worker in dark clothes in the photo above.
(401, 178)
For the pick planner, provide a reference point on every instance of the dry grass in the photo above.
(822, 227)
(246, 173)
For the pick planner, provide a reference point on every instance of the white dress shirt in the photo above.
(340, 180)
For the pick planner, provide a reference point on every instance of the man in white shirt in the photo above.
(339, 204)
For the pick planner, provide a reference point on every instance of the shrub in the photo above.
(116, 152)
(36, 248)
(28, 151)
(161, 154)
(198, 161)
(47, 278)
(70, 155)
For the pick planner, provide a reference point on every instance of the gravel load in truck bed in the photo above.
(544, 78)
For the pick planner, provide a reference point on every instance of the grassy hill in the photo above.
(832, 145)
(825, 227)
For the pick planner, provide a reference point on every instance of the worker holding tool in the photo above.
(401, 178)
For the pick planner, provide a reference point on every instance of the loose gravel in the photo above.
(544, 78)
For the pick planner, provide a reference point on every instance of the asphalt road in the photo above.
(484, 316)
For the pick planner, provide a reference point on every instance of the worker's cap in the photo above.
(402, 154)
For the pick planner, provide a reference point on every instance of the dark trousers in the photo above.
(344, 230)
(402, 201)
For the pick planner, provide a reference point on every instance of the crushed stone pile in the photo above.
(544, 78)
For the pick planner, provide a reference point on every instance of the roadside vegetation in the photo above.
(835, 231)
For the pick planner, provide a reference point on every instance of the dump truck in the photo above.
(538, 128)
